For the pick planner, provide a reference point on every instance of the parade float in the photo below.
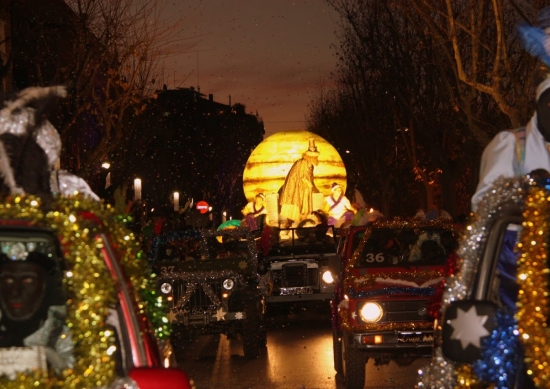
(271, 161)
(294, 172)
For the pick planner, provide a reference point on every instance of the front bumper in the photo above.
(420, 342)
(299, 297)
(205, 319)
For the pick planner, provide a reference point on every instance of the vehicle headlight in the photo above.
(228, 284)
(166, 288)
(371, 312)
(327, 277)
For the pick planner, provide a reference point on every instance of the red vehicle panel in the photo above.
(389, 293)
(104, 301)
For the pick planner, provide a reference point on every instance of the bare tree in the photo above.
(408, 132)
(478, 41)
(118, 46)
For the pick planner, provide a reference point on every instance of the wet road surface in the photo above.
(298, 355)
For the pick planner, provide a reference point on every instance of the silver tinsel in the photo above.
(205, 277)
(440, 372)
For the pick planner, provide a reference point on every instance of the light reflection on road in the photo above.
(310, 358)
(298, 356)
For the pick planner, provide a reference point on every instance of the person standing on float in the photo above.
(339, 207)
(295, 196)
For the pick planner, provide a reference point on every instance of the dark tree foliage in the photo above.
(413, 128)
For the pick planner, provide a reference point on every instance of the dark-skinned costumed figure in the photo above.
(32, 297)
(295, 196)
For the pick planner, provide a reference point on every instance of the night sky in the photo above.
(270, 55)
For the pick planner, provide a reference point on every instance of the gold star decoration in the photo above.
(220, 314)
(172, 316)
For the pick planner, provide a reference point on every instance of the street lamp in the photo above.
(105, 166)
(176, 201)
(137, 189)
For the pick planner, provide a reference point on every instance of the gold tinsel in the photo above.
(77, 222)
(367, 279)
(533, 282)
(351, 277)
(465, 378)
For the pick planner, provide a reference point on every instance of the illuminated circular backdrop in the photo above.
(269, 163)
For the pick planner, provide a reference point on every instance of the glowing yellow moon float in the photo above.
(269, 163)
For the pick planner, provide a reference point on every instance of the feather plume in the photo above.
(7, 172)
(536, 42)
(31, 94)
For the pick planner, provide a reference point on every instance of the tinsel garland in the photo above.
(501, 355)
(354, 279)
(89, 292)
(441, 372)
(532, 278)
(371, 278)
(364, 280)
(202, 272)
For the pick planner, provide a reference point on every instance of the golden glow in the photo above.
(533, 282)
(327, 277)
(269, 163)
(371, 312)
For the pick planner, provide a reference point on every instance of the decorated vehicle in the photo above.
(78, 304)
(212, 284)
(301, 264)
(388, 293)
(494, 327)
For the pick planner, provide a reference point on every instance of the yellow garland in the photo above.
(368, 279)
(465, 378)
(349, 281)
(533, 282)
(90, 292)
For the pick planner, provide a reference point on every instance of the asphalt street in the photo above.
(298, 356)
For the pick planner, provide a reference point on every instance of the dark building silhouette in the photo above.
(184, 141)
(188, 143)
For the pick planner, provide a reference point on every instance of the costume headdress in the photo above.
(312, 149)
(27, 136)
(334, 187)
(536, 40)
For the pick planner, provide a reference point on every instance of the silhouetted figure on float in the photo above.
(295, 196)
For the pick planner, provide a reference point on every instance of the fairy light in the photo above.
(89, 294)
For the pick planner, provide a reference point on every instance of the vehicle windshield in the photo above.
(223, 246)
(406, 247)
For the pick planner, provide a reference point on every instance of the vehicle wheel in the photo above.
(337, 351)
(353, 365)
(263, 336)
(251, 331)
(178, 338)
